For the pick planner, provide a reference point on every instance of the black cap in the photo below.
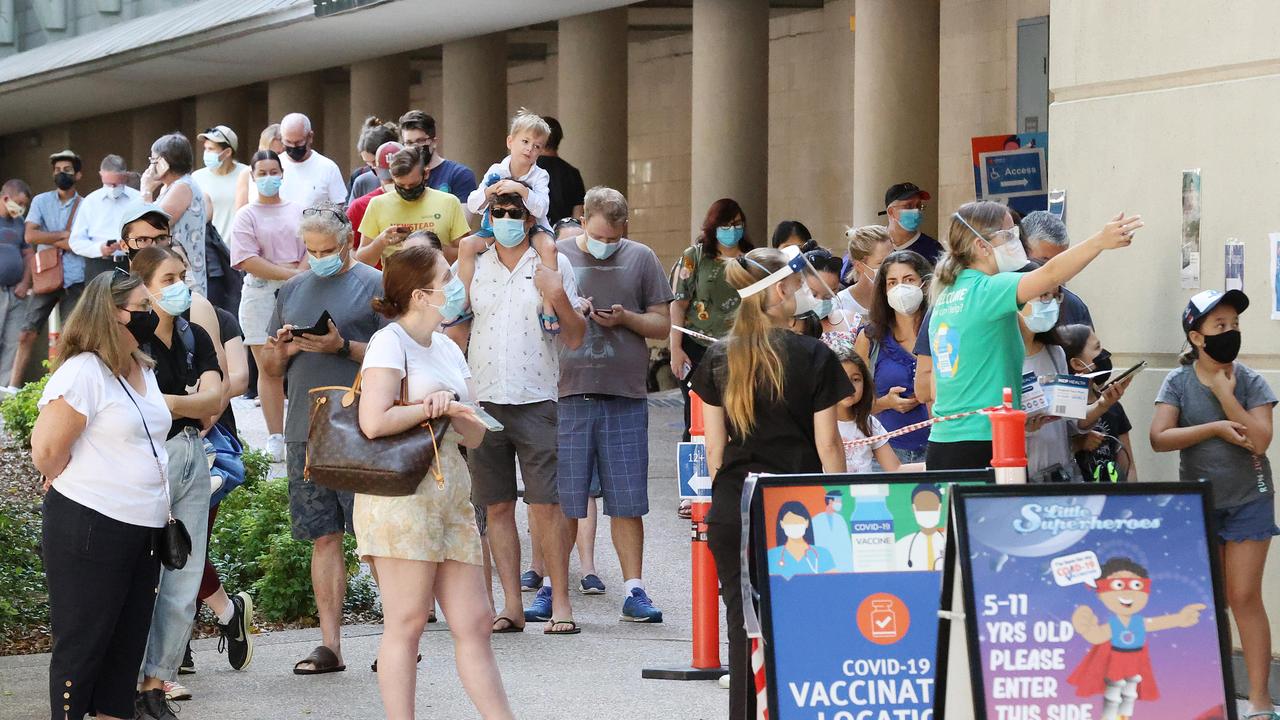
(902, 191)
(1202, 303)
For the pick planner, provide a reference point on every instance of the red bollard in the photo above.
(1009, 442)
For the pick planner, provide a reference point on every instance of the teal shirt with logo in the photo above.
(977, 351)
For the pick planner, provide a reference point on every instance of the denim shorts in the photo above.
(1255, 520)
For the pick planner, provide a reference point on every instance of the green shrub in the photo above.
(20, 411)
(24, 601)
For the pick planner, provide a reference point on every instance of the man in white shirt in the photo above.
(220, 175)
(309, 177)
(95, 233)
(515, 365)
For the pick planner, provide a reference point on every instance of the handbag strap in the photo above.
(72, 217)
(163, 479)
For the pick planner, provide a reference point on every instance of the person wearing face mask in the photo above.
(265, 245)
(976, 347)
(219, 174)
(357, 208)
(1217, 413)
(365, 179)
(407, 206)
(1106, 453)
(796, 552)
(924, 549)
(904, 205)
(868, 247)
(15, 273)
(834, 323)
(770, 398)
(310, 178)
(167, 182)
(419, 129)
(102, 408)
(897, 315)
(335, 283)
(95, 233)
(831, 531)
(190, 379)
(603, 413)
(410, 539)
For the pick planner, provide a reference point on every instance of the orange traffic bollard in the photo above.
(1009, 442)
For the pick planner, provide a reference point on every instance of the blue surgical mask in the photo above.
(729, 235)
(325, 266)
(212, 159)
(601, 250)
(910, 219)
(455, 300)
(269, 185)
(509, 232)
(1044, 315)
(174, 299)
(824, 308)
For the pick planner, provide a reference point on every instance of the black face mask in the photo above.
(413, 193)
(64, 180)
(142, 325)
(1101, 363)
(1223, 347)
(296, 153)
(426, 154)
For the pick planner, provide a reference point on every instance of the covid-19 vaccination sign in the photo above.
(1089, 602)
(849, 610)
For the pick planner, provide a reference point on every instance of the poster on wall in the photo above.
(1012, 169)
(1088, 602)
(849, 611)
(1190, 229)
(1233, 265)
(1274, 247)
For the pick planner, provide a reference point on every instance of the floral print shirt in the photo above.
(712, 300)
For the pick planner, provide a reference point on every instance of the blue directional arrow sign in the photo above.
(691, 471)
(1013, 173)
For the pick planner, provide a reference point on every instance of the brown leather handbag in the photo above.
(340, 457)
(46, 262)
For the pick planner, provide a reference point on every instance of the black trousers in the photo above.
(102, 576)
(724, 542)
(695, 351)
(964, 455)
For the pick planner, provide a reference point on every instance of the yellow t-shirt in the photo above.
(439, 212)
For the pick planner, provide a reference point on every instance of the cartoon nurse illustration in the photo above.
(1118, 665)
(796, 553)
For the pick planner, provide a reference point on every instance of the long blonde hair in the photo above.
(752, 346)
(958, 253)
(94, 328)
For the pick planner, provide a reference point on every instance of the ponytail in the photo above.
(752, 346)
(984, 216)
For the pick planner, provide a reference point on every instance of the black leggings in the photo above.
(963, 455)
(695, 351)
(725, 544)
(102, 576)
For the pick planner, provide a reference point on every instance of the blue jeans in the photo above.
(175, 610)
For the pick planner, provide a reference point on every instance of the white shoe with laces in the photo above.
(275, 447)
(724, 681)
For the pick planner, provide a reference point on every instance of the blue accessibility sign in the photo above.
(1013, 173)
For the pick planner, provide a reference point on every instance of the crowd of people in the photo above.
(514, 305)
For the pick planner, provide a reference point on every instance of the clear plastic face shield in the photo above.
(813, 294)
(1007, 245)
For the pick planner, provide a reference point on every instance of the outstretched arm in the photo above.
(1184, 618)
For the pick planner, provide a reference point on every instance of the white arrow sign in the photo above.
(1015, 183)
(701, 484)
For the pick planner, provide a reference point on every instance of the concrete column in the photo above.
(337, 120)
(380, 87)
(895, 134)
(592, 98)
(475, 101)
(148, 124)
(224, 107)
(302, 93)
(731, 108)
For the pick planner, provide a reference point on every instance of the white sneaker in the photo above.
(215, 483)
(175, 692)
(8, 391)
(275, 447)
(724, 681)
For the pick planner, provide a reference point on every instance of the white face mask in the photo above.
(795, 532)
(837, 506)
(1010, 257)
(928, 519)
(805, 302)
(905, 298)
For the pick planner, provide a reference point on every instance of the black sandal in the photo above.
(510, 627)
(322, 659)
(573, 628)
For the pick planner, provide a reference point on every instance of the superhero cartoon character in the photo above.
(1118, 666)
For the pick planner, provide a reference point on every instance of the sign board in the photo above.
(1012, 173)
(1085, 602)
(691, 471)
(849, 603)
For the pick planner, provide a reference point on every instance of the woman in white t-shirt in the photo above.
(868, 246)
(100, 443)
(427, 544)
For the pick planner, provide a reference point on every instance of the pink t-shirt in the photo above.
(269, 232)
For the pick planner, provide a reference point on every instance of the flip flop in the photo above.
(374, 666)
(510, 626)
(685, 510)
(323, 661)
(550, 323)
(573, 628)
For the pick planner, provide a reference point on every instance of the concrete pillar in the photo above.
(148, 124)
(302, 93)
(337, 120)
(895, 134)
(224, 107)
(380, 87)
(475, 100)
(731, 108)
(592, 98)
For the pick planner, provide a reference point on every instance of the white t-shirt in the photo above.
(221, 190)
(853, 310)
(440, 366)
(112, 469)
(314, 180)
(858, 459)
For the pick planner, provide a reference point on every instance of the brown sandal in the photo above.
(510, 627)
(322, 659)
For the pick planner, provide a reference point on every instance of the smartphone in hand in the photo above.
(320, 328)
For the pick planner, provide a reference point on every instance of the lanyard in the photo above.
(164, 480)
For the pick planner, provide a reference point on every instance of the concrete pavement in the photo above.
(596, 673)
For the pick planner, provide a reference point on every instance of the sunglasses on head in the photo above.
(513, 213)
(342, 217)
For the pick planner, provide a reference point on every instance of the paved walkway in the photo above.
(595, 674)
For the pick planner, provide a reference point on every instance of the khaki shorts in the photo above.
(257, 302)
(530, 435)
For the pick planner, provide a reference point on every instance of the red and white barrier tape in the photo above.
(908, 429)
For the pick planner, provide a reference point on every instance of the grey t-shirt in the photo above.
(1237, 476)
(301, 301)
(612, 361)
(12, 243)
(1051, 444)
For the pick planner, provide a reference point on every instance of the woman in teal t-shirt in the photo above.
(974, 339)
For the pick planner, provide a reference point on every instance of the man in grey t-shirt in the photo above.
(604, 415)
(338, 284)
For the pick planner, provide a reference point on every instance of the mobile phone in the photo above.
(320, 328)
(1122, 376)
(604, 311)
(490, 422)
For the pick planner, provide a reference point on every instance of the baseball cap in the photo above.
(137, 210)
(63, 155)
(220, 134)
(382, 158)
(1202, 303)
(903, 191)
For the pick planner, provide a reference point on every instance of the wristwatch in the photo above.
(345, 350)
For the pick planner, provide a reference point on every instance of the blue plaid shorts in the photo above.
(608, 436)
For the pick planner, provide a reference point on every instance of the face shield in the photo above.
(808, 301)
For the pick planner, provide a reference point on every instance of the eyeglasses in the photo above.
(342, 217)
(513, 213)
(158, 240)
